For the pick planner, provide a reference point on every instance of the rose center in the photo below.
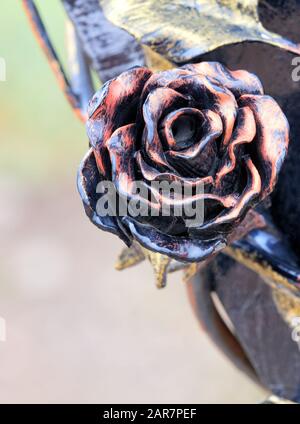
(184, 130)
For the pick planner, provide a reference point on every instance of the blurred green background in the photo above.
(47, 140)
(76, 329)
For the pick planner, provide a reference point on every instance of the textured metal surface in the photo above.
(272, 254)
(109, 49)
(288, 306)
(260, 323)
(79, 70)
(184, 30)
(199, 288)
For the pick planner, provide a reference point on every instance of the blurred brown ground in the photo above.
(77, 330)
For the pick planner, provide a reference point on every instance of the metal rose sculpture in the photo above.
(200, 125)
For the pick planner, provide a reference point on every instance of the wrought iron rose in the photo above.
(198, 125)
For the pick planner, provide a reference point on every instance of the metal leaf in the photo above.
(130, 256)
(182, 30)
(162, 265)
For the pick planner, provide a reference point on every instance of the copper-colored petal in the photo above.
(244, 132)
(209, 95)
(238, 82)
(181, 248)
(152, 174)
(162, 79)
(169, 121)
(87, 180)
(204, 91)
(121, 148)
(114, 106)
(227, 201)
(158, 102)
(121, 152)
(244, 202)
(213, 128)
(272, 138)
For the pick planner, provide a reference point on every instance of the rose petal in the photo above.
(121, 151)
(272, 139)
(212, 129)
(244, 132)
(245, 201)
(238, 82)
(200, 158)
(204, 91)
(217, 99)
(87, 181)
(226, 201)
(167, 126)
(180, 248)
(121, 148)
(162, 79)
(158, 102)
(152, 174)
(113, 106)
